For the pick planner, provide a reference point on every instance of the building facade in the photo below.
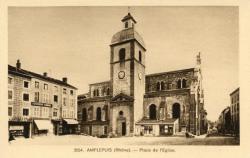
(235, 111)
(224, 121)
(133, 103)
(40, 104)
(229, 119)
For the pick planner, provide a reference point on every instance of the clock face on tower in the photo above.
(121, 74)
(140, 76)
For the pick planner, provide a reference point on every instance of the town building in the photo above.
(40, 104)
(224, 121)
(235, 111)
(229, 121)
(133, 103)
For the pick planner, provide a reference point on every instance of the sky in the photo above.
(74, 42)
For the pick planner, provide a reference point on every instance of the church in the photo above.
(133, 103)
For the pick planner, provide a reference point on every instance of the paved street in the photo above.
(87, 140)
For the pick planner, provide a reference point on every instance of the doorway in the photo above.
(176, 110)
(152, 112)
(123, 128)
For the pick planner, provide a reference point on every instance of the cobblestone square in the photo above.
(88, 140)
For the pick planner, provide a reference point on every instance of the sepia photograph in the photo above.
(123, 75)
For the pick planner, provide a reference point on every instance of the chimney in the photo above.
(65, 79)
(45, 74)
(18, 64)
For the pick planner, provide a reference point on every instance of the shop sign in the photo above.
(41, 104)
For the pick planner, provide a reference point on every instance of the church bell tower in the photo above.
(127, 70)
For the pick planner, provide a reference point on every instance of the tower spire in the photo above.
(198, 59)
(128, 20)
(128, 9)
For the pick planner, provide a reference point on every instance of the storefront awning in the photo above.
(43, 124)
(71, 121)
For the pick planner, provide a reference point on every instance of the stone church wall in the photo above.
(95, 105)
(139, 83)
(182, 99)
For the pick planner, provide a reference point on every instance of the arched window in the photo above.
(97, 92)
(98, 114)
(152, 112)
(108, 91)
(94, 92)
(121, 113)
(158, 86)
(84, 114)
(184, 83)
(122, 54)
(140, 56)
(126, 24)
(162, 86)
(176, 110)
(179, 84)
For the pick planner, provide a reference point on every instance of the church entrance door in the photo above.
(123, 128)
